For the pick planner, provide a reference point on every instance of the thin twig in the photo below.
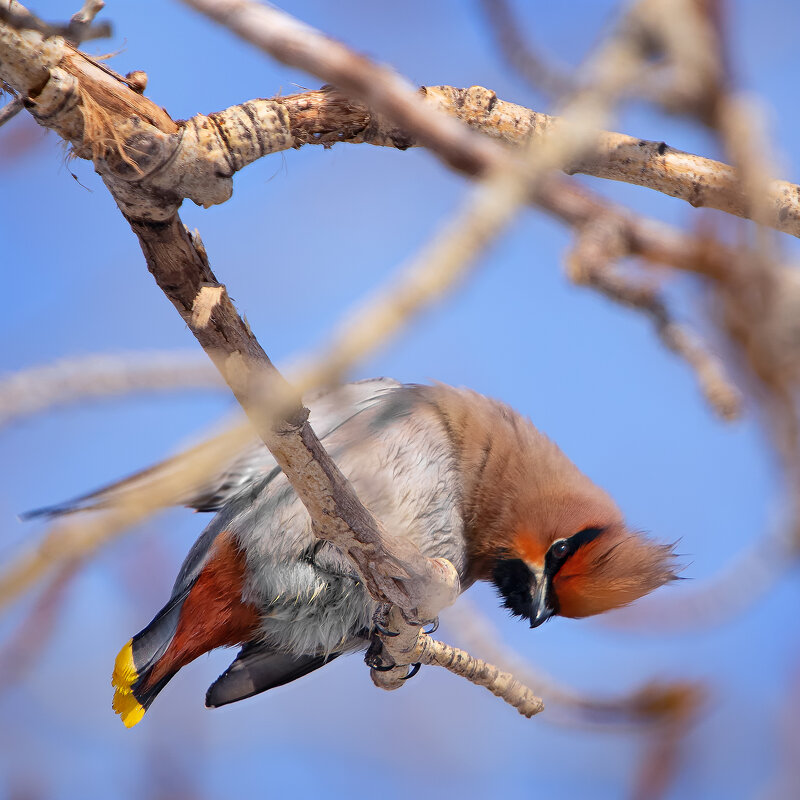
(17, 16)
(10, 110)
(647, 704)
(501, 684)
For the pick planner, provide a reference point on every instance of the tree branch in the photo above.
(499, 683)
(10, 110)
(697, 180)
(78, 29)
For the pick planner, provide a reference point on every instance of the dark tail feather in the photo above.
(99, 498)
(134, 690)
(70, 507)
(257, 669)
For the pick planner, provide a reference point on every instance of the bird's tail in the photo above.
(145, 665)
(205, 611)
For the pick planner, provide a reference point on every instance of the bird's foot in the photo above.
(376, 659)
(379, 620)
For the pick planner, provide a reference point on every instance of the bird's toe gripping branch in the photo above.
(396, 631)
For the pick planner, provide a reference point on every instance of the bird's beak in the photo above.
(540, 597)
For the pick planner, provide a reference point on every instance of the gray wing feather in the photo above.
(257, 669)
(329, 410)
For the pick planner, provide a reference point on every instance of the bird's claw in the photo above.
(383, 667)
(378, 619)
(413, 672)
(433, 628)
(383, 630)
(421, 623)
(382, 612)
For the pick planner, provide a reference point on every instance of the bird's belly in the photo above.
(307, 610)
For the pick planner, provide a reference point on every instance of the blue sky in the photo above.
(306, 235)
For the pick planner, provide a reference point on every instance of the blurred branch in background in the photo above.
(75, 380)
(661, 713)
(754, 305)
(540, 73)
(79, 29)
(597, 246)
(22, 649)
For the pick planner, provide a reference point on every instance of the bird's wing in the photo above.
(257, 669)
(329, 410)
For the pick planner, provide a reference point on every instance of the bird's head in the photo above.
(551, 540)
(572, 555)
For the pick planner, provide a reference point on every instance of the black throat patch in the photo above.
(513, 579)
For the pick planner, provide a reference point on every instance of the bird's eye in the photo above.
(560, 548)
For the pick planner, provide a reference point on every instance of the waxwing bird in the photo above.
(465, 477)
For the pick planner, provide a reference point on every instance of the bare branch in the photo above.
(10, 110)
(501, 684)
(699, 181)
(79, 29)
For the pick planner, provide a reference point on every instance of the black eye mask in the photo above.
(562, 549)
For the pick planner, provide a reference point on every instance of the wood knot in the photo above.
(137, 80)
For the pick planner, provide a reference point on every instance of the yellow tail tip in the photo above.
(122, 679)
(125, 674)
(128, 707)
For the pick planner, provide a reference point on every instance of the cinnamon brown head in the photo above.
(551, 540)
